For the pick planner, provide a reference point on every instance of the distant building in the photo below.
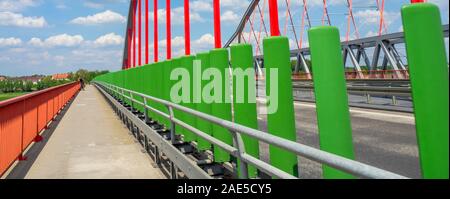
(2, 78)
(35, 78)
(63, 76)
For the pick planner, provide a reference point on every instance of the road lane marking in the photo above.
(353, 111)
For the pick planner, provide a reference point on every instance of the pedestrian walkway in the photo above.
(91, 142)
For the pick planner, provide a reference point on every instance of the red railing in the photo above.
(23, 118)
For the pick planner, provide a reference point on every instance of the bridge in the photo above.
(147, 121)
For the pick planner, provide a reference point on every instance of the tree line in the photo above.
(13, 86)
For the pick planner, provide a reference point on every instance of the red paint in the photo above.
(380, 30)
(130, 46)
(273, 11)
(140, 33)
(155, 29)
(134, 34)
(187, 28)
(23, 118)
(417, 1)
(38, 138)
(217, 31)
(168, 31)
(146, 32)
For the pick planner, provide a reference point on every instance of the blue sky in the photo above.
(56, 36)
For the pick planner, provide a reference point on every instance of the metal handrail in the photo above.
(32, 94)
(347, 165)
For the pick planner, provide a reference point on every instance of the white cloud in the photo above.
(206, 40)
(16, 5)
(15, 19)
(36, 42)
(110, 39)
(100, 18)
(230, 16)
(177, 16)
(63, 40)
(201, 6)
(95, 5)
(8, 42)
(370, 16)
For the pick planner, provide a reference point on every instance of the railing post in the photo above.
(172, 125)
(131, 101)
(427, 59)
(243, 166)
(146, 111)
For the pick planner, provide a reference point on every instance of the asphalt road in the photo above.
(383, 139)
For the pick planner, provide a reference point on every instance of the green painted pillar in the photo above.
(134, 86)
(333, 116)
(163, 83)
(140, 86)
(147, 89)
(176, 63)
(244, 97)
(127, 84)
(167, 87)
(187, 63)
(428, 69)
(280, 122)
(159, 89)
(203, 106)
(153, 89)
(222, 109)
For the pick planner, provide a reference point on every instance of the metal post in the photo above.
(172, 125)
(243, 166)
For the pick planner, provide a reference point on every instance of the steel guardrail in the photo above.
(347, 165)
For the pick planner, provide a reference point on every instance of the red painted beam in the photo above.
(134, 34)
(187, 28)
(140, 32)
(168, 31)
(417, 1)
(129, 61)
(146, 32)
(155, 29)
(274, 24)
(217, 31)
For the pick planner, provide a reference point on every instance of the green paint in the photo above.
(139, 86)
(245, 112)
(187, 63)
(167, 85)
(176, 63)
(147, 86)
(203, 107)
(281, 123)
(135, 78)
(333, 116)
(219, 60)
(429, 80)
(159, 72)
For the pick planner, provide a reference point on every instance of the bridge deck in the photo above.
(91, 142)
